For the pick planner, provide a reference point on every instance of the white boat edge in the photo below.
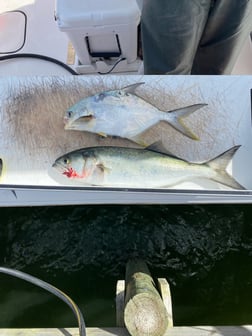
(11, 195)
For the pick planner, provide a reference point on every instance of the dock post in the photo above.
(120, 293)
(140, 306)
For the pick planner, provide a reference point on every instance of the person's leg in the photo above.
(228, 26)
(171, 31)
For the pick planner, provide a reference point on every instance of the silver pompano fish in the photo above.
(139, 168)
(122, 113)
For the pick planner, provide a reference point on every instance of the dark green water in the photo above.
(204, 251)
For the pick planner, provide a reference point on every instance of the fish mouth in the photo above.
(69, 172)
(59, 167)
(71, 126)
(66, 120)
(78, 122)
(66, 171)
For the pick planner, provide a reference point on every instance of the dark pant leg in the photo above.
(171, 31)
(228, 26)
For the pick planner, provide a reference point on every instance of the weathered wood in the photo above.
(164, 289)
(245, 330)
(210, 331)
(144, 311)
(64, 332)
(120, 292)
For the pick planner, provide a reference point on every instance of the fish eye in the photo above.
(99, 97)
(69, 114)
(66, 161)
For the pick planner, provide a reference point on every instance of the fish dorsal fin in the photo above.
(158, 147)
(132, 88)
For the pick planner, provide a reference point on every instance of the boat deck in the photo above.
(245, 330)
(38, 34)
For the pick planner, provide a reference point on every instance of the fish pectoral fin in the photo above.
(132, 88)
(104, 135)
(99, 174)
(102, 168)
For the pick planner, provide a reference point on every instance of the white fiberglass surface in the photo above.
(33, 135)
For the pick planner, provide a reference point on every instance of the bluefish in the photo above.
(139, 168)
(124, 114)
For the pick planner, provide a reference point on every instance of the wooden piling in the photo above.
(120, 293)
(144, 311)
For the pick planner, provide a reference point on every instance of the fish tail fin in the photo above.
(175, 119)
(219, 165)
